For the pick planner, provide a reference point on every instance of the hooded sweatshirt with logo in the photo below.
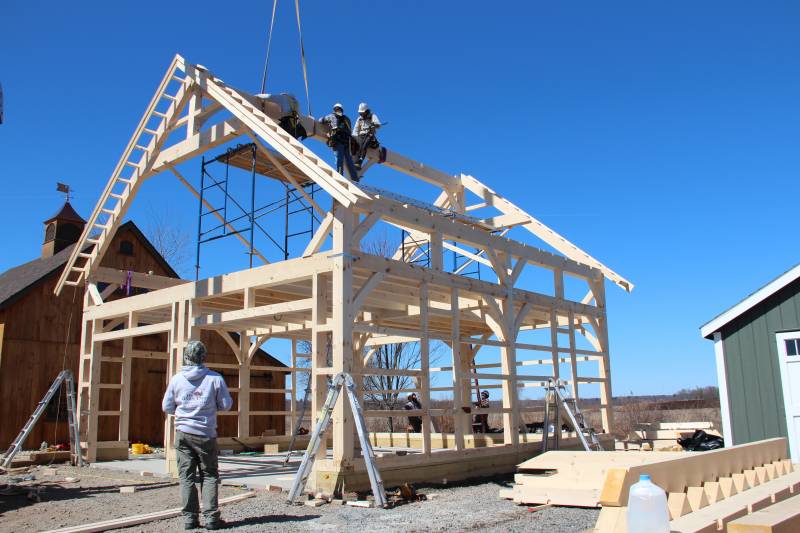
(194, 396)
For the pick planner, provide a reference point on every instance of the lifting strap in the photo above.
(269, 47)
(302, 53)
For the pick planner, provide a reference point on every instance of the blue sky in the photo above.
(661, 138)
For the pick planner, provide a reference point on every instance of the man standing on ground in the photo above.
(194, 396)
(339, 141)
(413, 404)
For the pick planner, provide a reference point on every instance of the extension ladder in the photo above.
(65, 376)
(559, 399)
(147, 140)
(334, 390)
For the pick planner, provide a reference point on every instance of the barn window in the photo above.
(792, 346)
(126, 248)
(50, 232)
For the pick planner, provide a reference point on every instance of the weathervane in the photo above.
(62, 187)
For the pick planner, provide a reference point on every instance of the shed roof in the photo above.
(751, 301)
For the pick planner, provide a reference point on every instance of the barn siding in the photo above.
(35, 327)
(755, 393)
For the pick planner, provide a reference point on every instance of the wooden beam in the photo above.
(293, 306)
(133, 332)
(134, 520)
(320, 235)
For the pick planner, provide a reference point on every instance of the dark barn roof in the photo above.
(16, 281)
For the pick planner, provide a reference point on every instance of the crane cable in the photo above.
(269, 46)
(302, 51)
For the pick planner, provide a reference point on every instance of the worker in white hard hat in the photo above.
(367, 124)
(339, 141)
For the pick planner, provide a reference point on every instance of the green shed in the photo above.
(757, 347)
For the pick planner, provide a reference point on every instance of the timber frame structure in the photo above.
(345, 301)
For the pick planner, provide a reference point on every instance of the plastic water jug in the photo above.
(647, 508)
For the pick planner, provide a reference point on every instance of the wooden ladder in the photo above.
(147, 140)
(340, 188)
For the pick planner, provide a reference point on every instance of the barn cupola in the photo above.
(61, 230)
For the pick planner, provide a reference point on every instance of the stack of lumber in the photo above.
(664, 435)
(706, 490)
(572, 478)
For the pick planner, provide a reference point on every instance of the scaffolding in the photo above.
(246, 219)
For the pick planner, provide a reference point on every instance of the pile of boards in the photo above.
(664, 435)
(751, 487)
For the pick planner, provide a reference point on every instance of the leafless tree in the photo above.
(386, 391)
(170, 240)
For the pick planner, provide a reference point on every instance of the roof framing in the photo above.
(178, 105)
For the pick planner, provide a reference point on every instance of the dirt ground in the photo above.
(95, 496)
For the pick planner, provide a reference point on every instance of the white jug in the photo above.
(647, 507)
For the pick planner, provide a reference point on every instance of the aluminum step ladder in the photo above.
(556, 394)
(334, 390)
(65, 377)
(139, 156)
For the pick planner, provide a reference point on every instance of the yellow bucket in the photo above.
(138, 449)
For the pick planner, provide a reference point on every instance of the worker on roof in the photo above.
(194, 396)
(339, 141)
(413, 404)
(367, 124)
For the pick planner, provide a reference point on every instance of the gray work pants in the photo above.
(197, 453)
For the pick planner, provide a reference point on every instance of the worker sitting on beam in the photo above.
(367, 125)
(339, 141)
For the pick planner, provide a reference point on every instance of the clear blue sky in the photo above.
(660, 137)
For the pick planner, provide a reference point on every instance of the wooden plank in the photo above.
(130, 521)
(739, 505)
(133, 332)
(675, 475)
(783, 517)
(254, 312)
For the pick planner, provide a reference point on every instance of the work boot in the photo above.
(216, 524)
(191, 524)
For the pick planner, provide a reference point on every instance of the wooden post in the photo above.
(342, 332)
(125, 392)
(293, 398)
(573, 360)
(89, 386)
(319, 352)
(436, 251)
(425, 379)
(460, 418)
(508, 356)
(604, 371)
(243, 396)
(176, 343)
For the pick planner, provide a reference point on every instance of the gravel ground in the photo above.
(462, 507)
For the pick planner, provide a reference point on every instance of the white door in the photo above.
(789, 358)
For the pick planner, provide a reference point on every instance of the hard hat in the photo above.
(340, 106)
(363, 107)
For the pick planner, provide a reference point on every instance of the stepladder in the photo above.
(318, 437)
(65, 377)
(556, 401)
